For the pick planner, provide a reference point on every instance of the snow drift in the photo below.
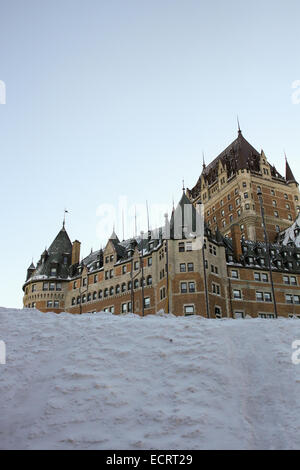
(123, 382)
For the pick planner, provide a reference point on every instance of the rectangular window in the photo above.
(56, 304)
(238, 315)
(147, 302)
(218, 313)
(188, 246)
(286, 279)
(45, 286)
(191, 286)
(124, 308)
(190, 267)
(234, 274)
(268, 297)
(293, 280)
(124, 269)
(259, 296)
(183, 287)
(289, 299)
(49, 304)
(136, 265)
(84, 281)
(150, 261)
(237, 294)
(182, 267)
(181, 247)
(296, 299)
(95, 278)
(189, 309)
(52, 286)
(58, 286)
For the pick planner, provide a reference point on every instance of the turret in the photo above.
(30, 271)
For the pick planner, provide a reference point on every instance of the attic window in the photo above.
(53, 272)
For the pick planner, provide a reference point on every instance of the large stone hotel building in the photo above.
(248, 265)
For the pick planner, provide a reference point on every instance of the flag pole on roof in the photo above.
(64, 221)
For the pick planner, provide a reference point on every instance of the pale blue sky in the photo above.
(119, 98)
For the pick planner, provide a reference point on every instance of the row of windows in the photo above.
(51, 286)
(187, 287)
(260, 296)
(185, 246)
(189, 267)
(126, 307)
(263, 277)
(111, 291)
(267, 297)
(109, 274)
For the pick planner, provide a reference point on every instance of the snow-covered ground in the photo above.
(103, 382)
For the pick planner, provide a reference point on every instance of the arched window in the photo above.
(78, 300)
(73, 301)
(83, 298)
(111, 291)
(94, 295)
(141, 282)
(123, 287)
(100, 294)
(129, 285)
(149, 281)
(136, 283)
(89, 297)
(117, 289)
(105, 292)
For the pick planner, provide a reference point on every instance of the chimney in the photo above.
(76, 252)
(236, 241)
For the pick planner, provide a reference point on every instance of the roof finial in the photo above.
(183, 188)
(64, 221)
(204, 166)
(239, 127)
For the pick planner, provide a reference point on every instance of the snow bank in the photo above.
(103, 382)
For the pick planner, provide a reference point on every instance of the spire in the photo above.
(288, 172)
(204, 166)
(239, 127)
(64, 221)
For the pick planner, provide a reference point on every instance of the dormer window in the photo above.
(65, 260)
(53, 271)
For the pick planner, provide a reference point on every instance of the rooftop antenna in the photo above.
(123, 223)
(148, 216)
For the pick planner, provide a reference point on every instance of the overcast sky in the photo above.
(111, 101)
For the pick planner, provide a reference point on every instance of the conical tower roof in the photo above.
(288, 173)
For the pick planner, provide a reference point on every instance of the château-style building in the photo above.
(240, 270)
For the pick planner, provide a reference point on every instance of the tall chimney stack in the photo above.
(236, 241)
(76, 252)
